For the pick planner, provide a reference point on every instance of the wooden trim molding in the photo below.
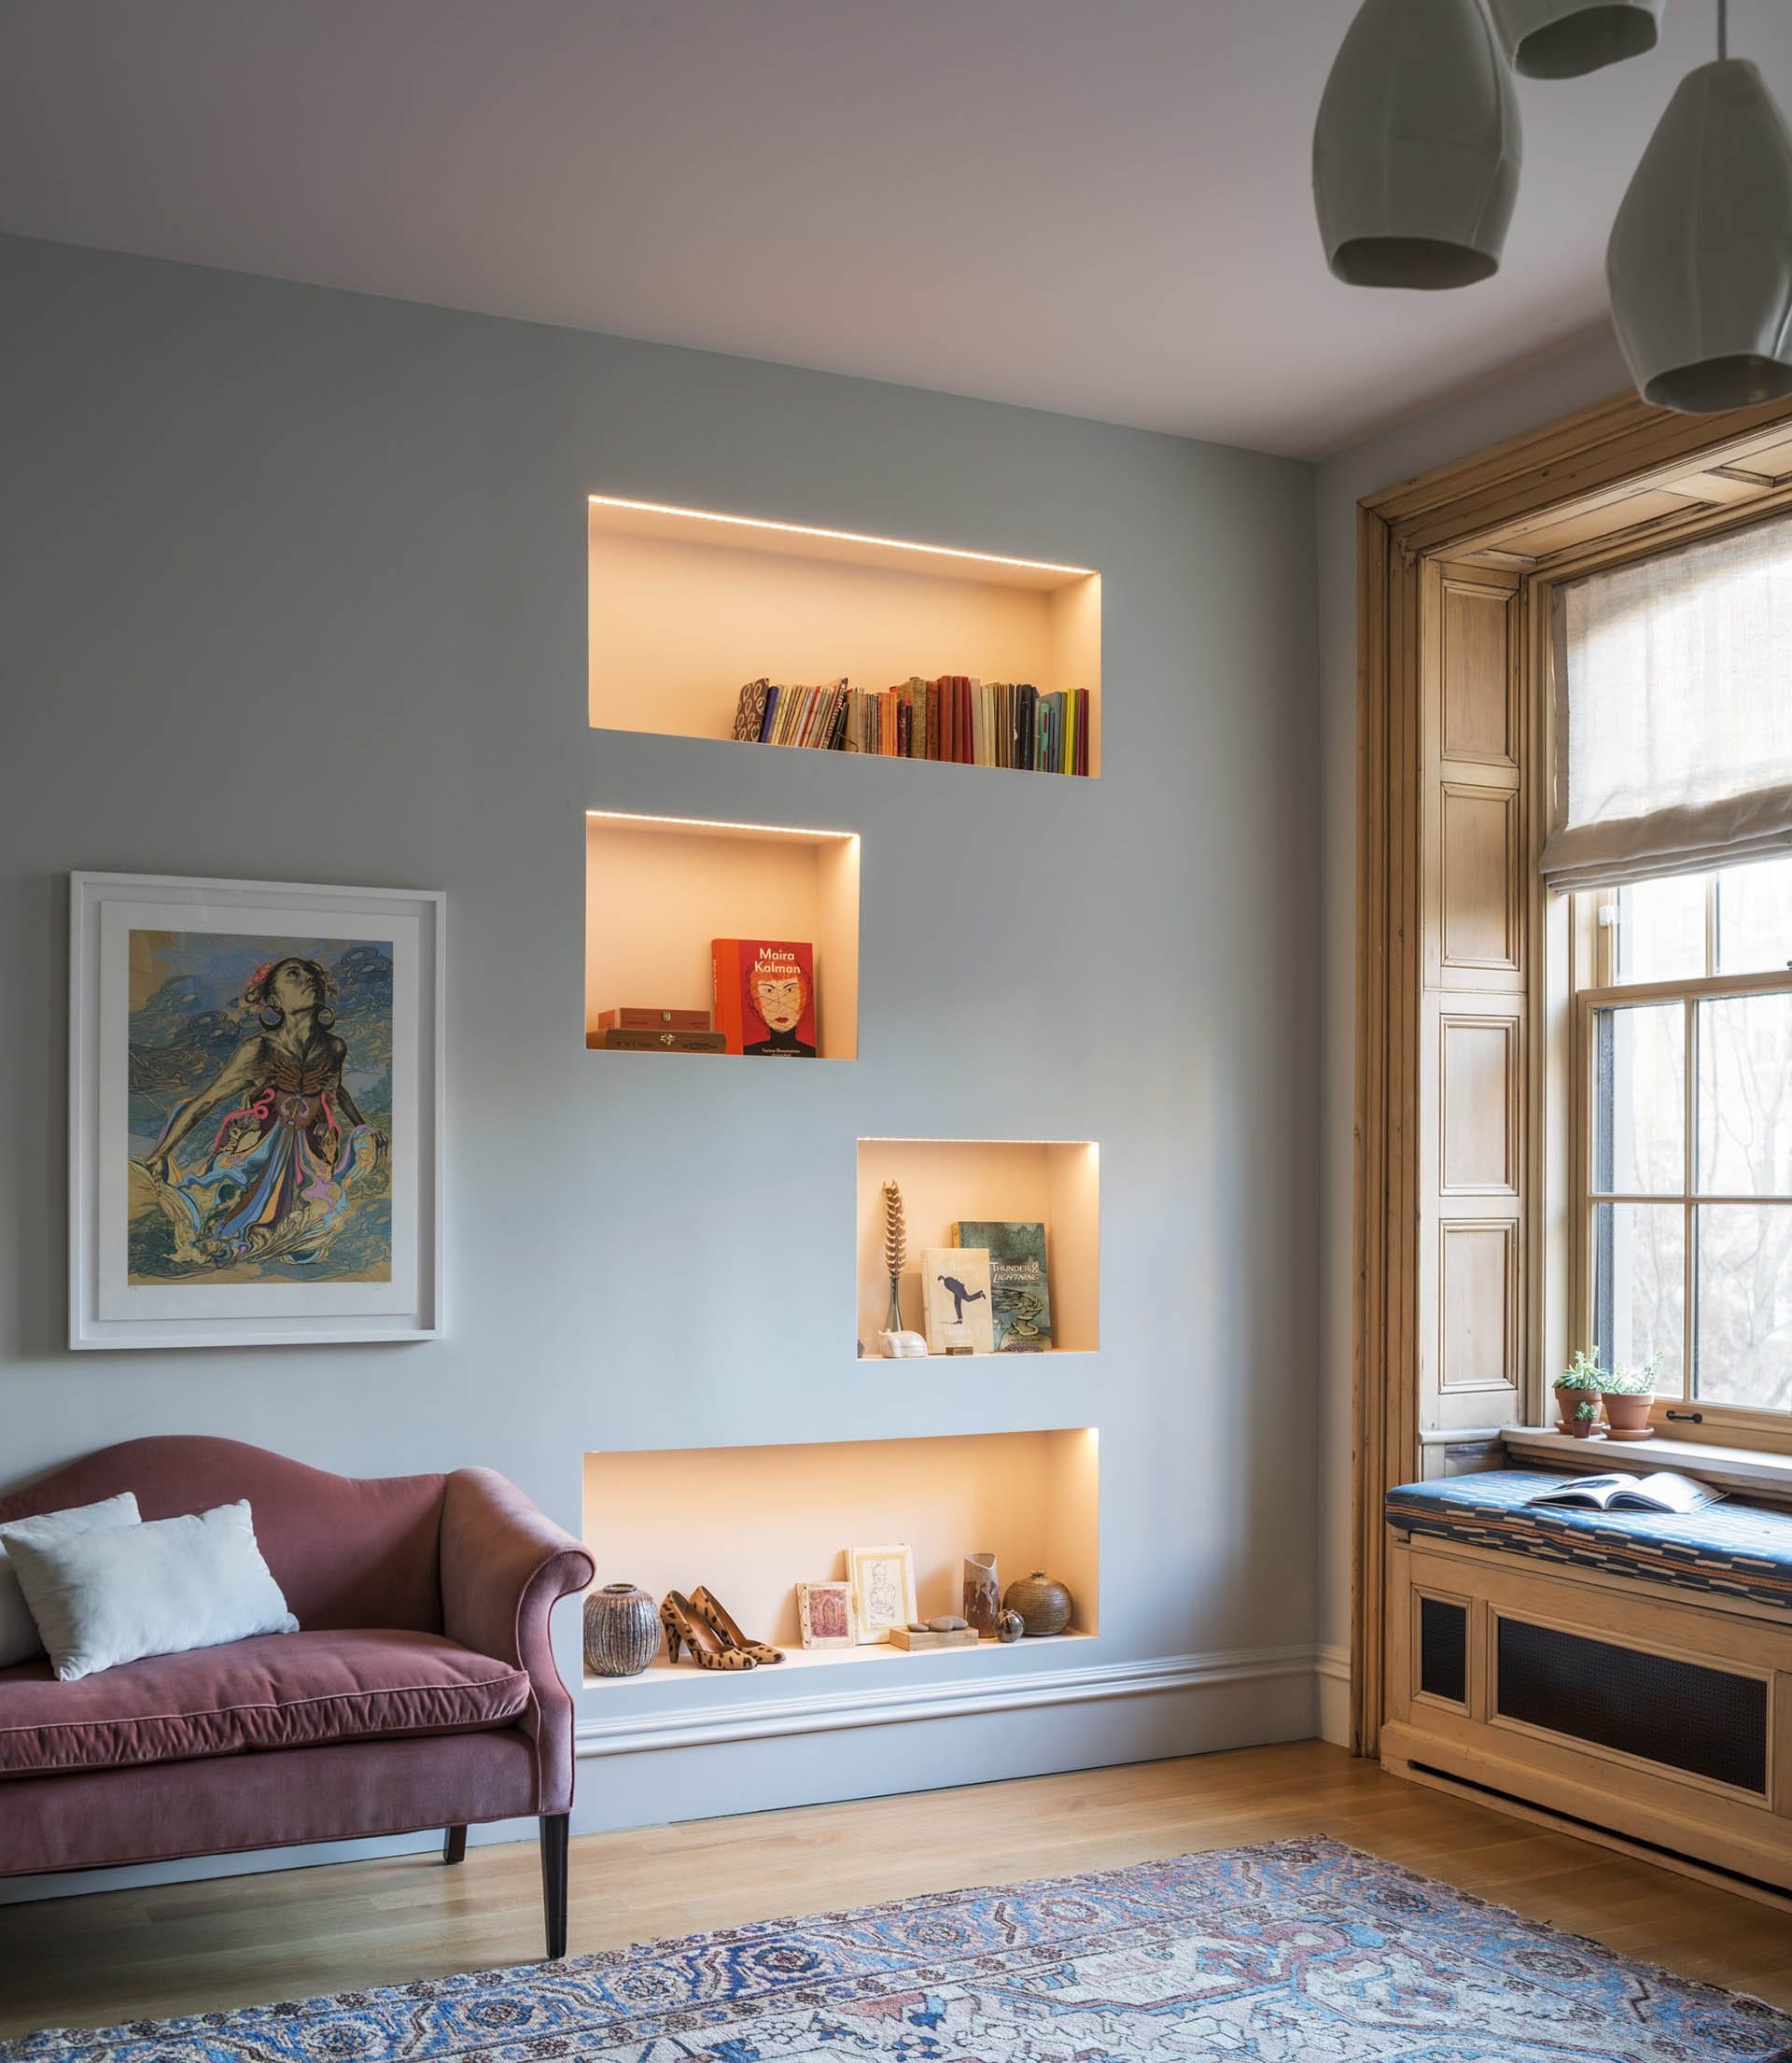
(1596, 476)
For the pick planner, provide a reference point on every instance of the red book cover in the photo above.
(765, 995)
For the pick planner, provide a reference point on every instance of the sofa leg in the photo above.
(454, 1845)
(553, 1881)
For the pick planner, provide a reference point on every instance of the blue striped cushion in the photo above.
(1737, 1549)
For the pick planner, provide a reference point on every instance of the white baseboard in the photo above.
(825, 1711)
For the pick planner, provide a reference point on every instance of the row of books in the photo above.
(955, 718)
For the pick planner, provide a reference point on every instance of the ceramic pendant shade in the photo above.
(1569, 39)
(1417, 148)
(1700, 263)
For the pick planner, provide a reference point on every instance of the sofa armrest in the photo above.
(504, 1566)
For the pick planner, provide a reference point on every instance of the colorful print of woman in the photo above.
(276, 1179)
(778, 995)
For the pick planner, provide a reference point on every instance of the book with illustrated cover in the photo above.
(1661, 1491)
(1019, 1289)
(764, 996)
(956, 1307)
(750, 712)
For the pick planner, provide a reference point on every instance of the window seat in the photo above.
(1733, 1548)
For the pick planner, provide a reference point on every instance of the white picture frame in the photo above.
(883, 1590)
(156, 1259)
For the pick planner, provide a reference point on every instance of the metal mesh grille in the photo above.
(1443, 1650)
(1681, 1714)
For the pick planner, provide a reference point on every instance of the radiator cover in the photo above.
(1685, 1715)
(1443, 1650)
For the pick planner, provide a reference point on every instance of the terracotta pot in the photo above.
(1567, 1403)
(1627, 1414)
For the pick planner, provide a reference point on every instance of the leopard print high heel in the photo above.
(714, 1614)
(686, 1627)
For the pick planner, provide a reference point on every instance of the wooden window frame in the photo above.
(1613, 482)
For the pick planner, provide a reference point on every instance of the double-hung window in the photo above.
(1673, 686)
(1687, 1051)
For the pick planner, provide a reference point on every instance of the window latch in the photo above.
(1686, 1418)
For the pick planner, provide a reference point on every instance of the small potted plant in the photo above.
(1578, 1389)
(1629, 1394)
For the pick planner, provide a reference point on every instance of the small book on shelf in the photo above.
(1661, 1491)
(1020, 1291)
(764, 996)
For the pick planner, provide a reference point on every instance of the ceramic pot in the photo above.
(622, 1629)
(1628, 1415)
(1044, 1603)
(982, 1593)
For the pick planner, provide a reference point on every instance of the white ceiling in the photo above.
(1099, 206)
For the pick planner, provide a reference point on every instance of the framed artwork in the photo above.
(883, 1590)
(254, 1113)
(824, 1614)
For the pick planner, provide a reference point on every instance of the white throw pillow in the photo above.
(19, 1637)
(103, 1598)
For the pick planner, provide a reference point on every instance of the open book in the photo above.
(1661, 1491)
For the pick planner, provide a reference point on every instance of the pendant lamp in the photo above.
(1700, 263)
(1569, 39)
(1417, 148)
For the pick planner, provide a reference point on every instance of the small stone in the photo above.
(917, 1626)
(945, 1623)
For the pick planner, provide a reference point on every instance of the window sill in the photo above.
(1749, 1471)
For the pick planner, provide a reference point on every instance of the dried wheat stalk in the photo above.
(895, 1233)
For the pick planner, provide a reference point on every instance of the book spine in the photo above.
(904, 728)
(932, 720)
(724, 974)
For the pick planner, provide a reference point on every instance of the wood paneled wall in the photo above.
(1472, 1005)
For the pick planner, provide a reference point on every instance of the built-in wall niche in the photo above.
(751, 1522)
(1051, 1182)
(688, 605)
(658, 890)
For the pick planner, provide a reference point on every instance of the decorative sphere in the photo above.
(1010, 1626)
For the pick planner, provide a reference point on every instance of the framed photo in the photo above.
(883, 1590)
(824, 1613)
(254, 1113)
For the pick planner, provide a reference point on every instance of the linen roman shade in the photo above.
(1674, 708)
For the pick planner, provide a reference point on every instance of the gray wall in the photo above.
(296, 590)
(1554, 387)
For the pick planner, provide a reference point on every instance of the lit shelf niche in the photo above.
(686, 605)
(659, 889)
(1055, 1182)
(755, 1522)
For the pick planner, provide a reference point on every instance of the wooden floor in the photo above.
(187, 1948)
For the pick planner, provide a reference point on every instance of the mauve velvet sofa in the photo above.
(420, 1690)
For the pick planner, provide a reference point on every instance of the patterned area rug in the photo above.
(1295, 1951)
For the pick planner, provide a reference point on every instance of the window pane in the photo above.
(1639, 1283)
(1745, 1096)
(1745, 1305)
(1662, 929)
(1640, 1099)
(1754, 918)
